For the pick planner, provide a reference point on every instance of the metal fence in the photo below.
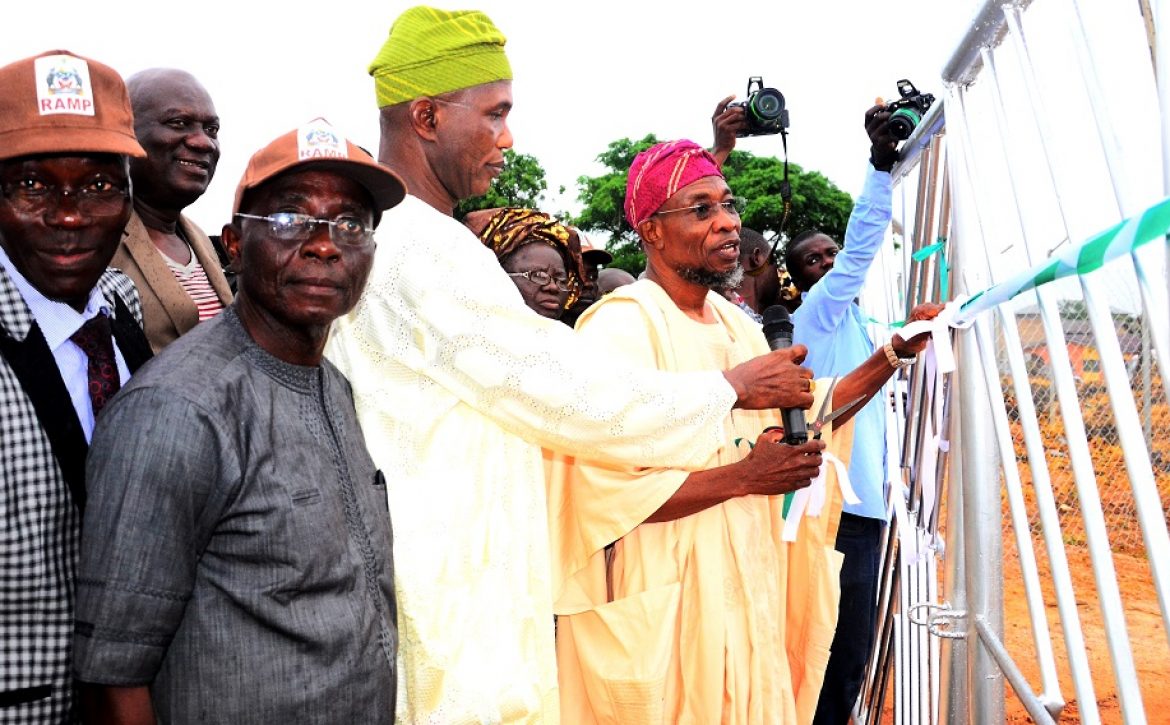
(1027, 571)
(1103, 440)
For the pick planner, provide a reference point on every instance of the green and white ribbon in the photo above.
(944, 271)
(891, 325)
(1120, 239)
(939, 350)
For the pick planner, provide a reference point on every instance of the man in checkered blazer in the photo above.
(70, 334)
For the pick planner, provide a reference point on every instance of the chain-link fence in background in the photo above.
(1051, 611)
(1125, 535)
(1117, 501)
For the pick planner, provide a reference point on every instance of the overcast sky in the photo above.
(591, 72)
(586, 73)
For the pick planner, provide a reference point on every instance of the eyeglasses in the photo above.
(99, 197)
(289, 227)
(703, 211)
(541, 278)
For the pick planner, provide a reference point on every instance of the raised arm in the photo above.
(827, 302)
(868, 378)
(725, 123)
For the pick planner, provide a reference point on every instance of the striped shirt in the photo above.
(194, 282)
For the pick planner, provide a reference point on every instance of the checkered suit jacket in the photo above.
(42, 466)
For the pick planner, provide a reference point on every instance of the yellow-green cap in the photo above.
(432, 51)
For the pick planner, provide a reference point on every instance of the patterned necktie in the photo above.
(96, 341)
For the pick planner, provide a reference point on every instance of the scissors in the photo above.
(824, 418)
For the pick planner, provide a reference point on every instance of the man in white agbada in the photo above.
(458, 385)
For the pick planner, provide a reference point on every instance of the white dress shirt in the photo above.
(58, 322)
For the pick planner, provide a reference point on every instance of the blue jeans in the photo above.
(859, 539)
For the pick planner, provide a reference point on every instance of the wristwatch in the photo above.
(897, 362)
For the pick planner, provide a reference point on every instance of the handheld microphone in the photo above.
(778, 333)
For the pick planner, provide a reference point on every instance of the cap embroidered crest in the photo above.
(63, 85)
(316, 145)
(318, 140)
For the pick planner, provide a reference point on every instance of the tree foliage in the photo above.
(816, 202)
(603, 198)
(522, 183)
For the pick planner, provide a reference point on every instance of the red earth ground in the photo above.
(1147, 637)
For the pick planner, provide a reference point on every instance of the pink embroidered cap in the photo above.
(660, 171)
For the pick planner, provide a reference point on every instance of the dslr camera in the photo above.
(764, 110)
(908, 110)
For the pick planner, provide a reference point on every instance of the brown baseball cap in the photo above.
(59, 102)
(316, 144)
(592, 254)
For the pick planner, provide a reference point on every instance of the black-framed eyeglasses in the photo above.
(542, 278)
(290, 227)
(97, 198)
(703, 210)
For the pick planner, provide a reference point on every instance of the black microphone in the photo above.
(778, 333)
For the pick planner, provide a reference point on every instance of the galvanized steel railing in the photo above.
(940, 651)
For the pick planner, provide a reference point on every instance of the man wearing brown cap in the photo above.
(458, 385)
(70, 336)
(236, 564)
(172, 262)
(593, 259)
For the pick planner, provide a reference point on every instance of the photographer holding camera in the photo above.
(831, 324)
(730, 121)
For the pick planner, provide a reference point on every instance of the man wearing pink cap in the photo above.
(696, 594)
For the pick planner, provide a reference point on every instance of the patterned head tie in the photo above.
(511, 228)
(660, 171)
(431, 52)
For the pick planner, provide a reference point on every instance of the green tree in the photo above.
(604, 199)
(816, 201)
(522, 183)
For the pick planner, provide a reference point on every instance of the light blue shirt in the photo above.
(833, 328)
(58, 321)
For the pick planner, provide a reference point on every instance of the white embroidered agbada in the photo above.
(457, 386)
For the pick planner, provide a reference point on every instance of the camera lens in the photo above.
(902, 123)
(768, 104)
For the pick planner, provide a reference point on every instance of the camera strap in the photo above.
(785, 196)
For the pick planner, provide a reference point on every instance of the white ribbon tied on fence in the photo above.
(940, 335)
(810, 500)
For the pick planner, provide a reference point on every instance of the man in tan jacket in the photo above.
(170, 259)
